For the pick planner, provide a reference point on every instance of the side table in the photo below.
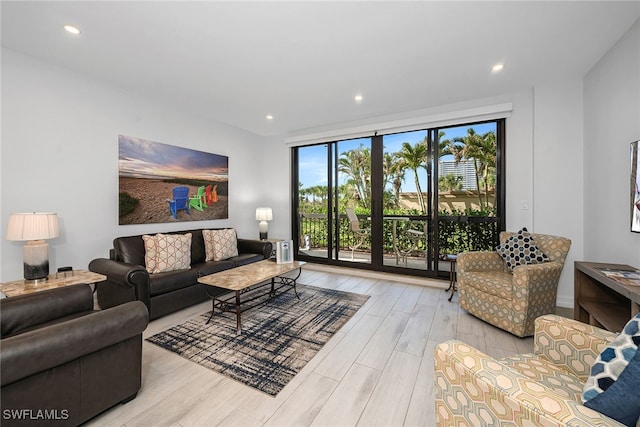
(76, 277)
(602, 299)
(451, 259)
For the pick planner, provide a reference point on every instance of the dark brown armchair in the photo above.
(64, 363)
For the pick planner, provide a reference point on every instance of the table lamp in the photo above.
(263, 215)
(34, 228)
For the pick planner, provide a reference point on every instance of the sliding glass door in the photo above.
(400, 202)
(352, 223)
(334, 201)
(406, 200)
(312, 202)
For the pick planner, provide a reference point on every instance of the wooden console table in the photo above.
(602, 301)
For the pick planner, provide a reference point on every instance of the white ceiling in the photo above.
(303, 62)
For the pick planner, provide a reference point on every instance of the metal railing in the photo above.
(455, 233)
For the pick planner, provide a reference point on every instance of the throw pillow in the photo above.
(613, 360)
(220, 244)
(621, 400)
(150, 252)
(167, 252)
(520, 249)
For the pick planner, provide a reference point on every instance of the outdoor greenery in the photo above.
(450, 182)
(481, 150)
(471, 231)
(455, 233)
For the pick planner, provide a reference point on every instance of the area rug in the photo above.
(277, 340)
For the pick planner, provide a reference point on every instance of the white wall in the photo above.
(557, 171)
(59, 153)
(611, 123)
(519, 164)
(277, 186)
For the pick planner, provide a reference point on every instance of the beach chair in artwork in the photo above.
(197, 202)
(211, 194)
(180, 201)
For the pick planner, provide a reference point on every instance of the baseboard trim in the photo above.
(564, 302)
(400, 278)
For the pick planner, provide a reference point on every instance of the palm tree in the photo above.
(414, 157)
(449, 147)
(356, 164)
(450, 182)
(481, 149)
(394, 175)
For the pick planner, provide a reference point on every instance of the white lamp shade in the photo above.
(32, 226)
(264, 214)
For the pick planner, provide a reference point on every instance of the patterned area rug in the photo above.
(278, 338)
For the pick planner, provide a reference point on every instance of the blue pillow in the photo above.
(613, 360)
(621, 401)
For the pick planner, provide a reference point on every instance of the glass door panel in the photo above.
(406, 200)
(352, 189)
(467, 196)
(313, 201)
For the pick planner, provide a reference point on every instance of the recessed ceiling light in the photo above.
(269, 117)
(498, 67)
(71, 29)
(358, 98)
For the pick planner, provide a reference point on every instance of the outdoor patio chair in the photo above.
(359, 234)
(197, 202)
(180, 201)
(414, 237)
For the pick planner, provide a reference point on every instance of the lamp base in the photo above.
(263, 227)
(35, 282)
(36, 261)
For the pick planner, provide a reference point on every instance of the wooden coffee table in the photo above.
(250, 281)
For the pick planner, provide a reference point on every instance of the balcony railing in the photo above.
(455, 233)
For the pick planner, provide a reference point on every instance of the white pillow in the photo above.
(220, 244)
(167, 252)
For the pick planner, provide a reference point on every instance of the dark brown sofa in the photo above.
(164, 293)
(64, 363)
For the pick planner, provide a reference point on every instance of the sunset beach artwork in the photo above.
(149, 171)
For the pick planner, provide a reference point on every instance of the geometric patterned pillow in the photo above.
(167, 252)
(621, 401)
(220, 244)
(613, 360)
(520, 249)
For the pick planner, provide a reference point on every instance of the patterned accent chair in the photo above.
(511, 301)
(539, 389)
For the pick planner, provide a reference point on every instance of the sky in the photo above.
(139, 158)
(313, 160)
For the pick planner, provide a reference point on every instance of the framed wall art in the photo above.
(635, 187)
(165, 183)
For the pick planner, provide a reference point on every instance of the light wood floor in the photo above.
(377, 370)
